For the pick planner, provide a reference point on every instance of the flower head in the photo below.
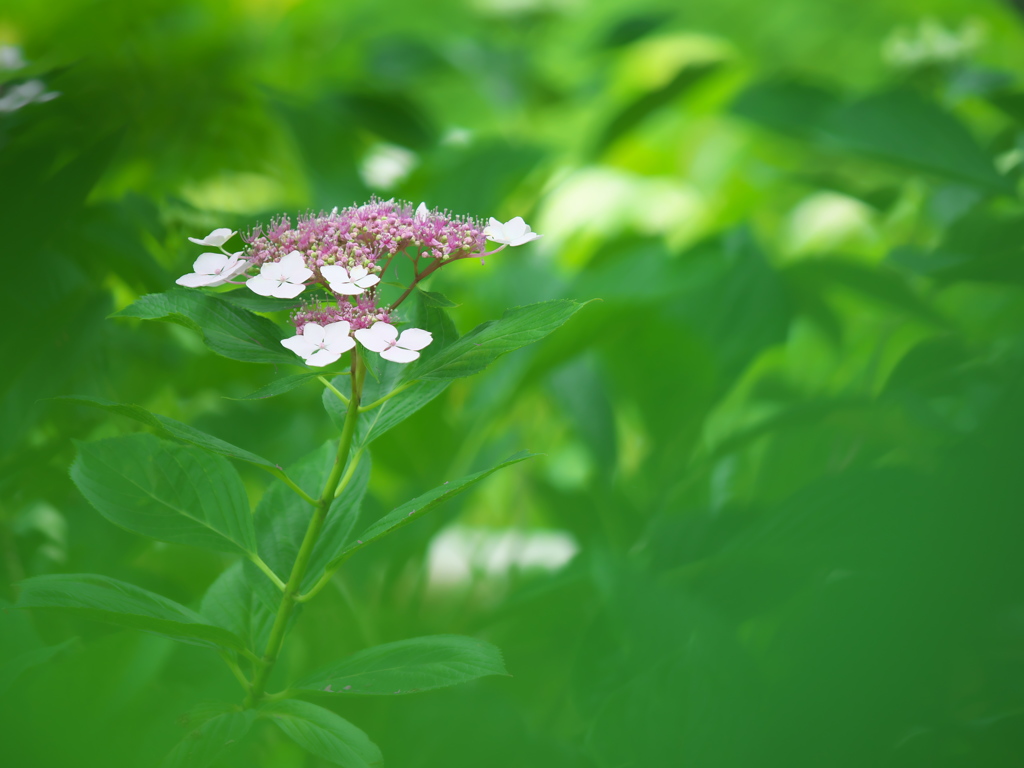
(513, 232)
(212, 269)
(321, 345)
(350, 282)
(384, 338)
(217, 238)
(284, 279)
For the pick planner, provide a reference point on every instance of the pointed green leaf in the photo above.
(169, 427)
(211, 741)
(170, 492)
(279, 387)
(325, 734)
(227, 329)
(12, 669)
(231, 603)
(116, 602)
(480, 347)
(420, 506)
(408, 666)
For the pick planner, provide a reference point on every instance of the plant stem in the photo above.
(420, 276)
(388, 396)
(316, 522)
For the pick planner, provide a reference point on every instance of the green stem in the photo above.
(334, 389)
(258, 561)
(235, 670)
(387, 397)
(316, 522)
(279, 473)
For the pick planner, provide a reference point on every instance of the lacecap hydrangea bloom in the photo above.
(343, 255)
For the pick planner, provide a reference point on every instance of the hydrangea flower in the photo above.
(217, 238)
(350, 282)
(384, 338)
(321, 345)
(212, 269)
(284, 279)
(513, 232)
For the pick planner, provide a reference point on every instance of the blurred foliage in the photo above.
(786, 443)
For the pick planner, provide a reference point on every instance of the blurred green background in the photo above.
(778, 518)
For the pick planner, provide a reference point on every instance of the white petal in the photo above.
(384, 331)
(367, 338)
(210, 263)
(262, 285)
(239, 267)
(314, 332)
(358, 272)
(337, 337)
(527, 238)
(293, 265)
(323, 357)
(422, 212)
(216, 238)
(335, 273)
(287, 290)
(346, 289)
(272, 270)
(300, 345)
(414, 338)
(377, 337)
(516, 228)
(399, 355)
(193, 280)
(368, 281)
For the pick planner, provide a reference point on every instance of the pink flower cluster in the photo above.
(367, 236)
(362, 314)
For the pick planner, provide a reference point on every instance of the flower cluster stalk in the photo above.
(294, 585)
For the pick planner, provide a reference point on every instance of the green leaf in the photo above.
(789, 106)
(246, 299)
(211, 741)
(408, 666)
(902, 127)
(115, 602)
(170, 492)
(13, 668)
(168, 427)
(420, 506)
(325, 734)
(483, 345)
(227, 329)
(649, 103)
(279, 387)
(232, 603)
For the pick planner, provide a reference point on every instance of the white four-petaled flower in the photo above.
(321, 345)
(284, 279)
(214, 269)
(217, 238)
(383, 338)
(513, 232)
(349, 282)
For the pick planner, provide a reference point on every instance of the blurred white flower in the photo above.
(11, 58)
(17, 96)
(217, 238)
(386, 165)
(212, 269)
(349, 282)
(321, 345)
(513, 232)
(284, 279)
(384, 339)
